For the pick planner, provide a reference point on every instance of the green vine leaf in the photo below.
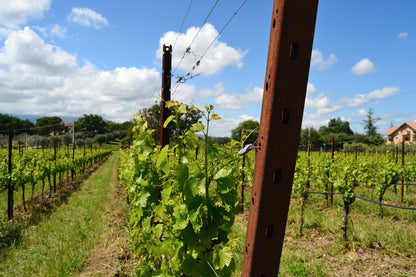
(162, 161)
(181, 216)
(167, 121)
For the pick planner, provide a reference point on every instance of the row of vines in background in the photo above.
(46, 168)
(347, 174)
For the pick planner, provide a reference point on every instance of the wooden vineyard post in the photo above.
(290, 47)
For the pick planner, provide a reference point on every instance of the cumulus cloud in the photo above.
(25, 51)
(321, 105)
(57, 31)
(361, 113)
(363, 99)
(219, 56)
(318, 61)
(313, 120)
(14, 13)
(41, 79)
(87, 17)
(223, 127)
(319, 102)
(402, 35)
(310, 90)
(365, 66)
(184, 93)
(216, 91)
(52, 31)
(235, 101)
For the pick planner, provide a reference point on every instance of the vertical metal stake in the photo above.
(10, 187)
(290, 47)
(166, 84)
(402, 188)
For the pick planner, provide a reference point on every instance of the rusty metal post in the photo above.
(10, 187)
(166, 84)
(290, 47)
(331, 196)
(402, 188)
(243, 165)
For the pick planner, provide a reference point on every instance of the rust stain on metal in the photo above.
(290, 47)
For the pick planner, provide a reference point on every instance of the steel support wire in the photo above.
(289, 55)
(366, 199)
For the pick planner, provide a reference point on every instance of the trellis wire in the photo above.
(366, 199)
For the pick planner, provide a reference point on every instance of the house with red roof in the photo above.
(405, 132)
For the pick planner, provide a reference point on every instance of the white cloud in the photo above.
(87, 17)
(57, 31)
(42, 79)
(310, 90)
(183, 93)
(235, 101)
(319, 102)
(361, 112)
(365, 66)
(219, 56)
(17, 12)
(317, 108)
(318, 61)
(402, 35)
(25, 51)
(52, 31)
(223, 127)
(216, 91)
(4, 32)
(362, 99)
(313, 120)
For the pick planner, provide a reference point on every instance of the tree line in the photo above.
(247, 131)
(47, 131)
(342, 134)
(88, 123)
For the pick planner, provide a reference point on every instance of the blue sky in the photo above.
(69, 58)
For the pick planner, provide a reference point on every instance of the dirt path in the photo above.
(112, 257)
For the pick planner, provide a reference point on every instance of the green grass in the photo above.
(375, 246)
(58, 245)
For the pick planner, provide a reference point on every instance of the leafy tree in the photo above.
(152, 116)
(91, 124)
(80, 142)
(370, 123)
(89, 142)
(311, 136)
(369, 140)
(47, 125)
(339, 130)
(125, 125)
(100, 139)
(67, 139)
(336, 126)
(249, 127)
(7, 121)
(111, 126)
(55, 140)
